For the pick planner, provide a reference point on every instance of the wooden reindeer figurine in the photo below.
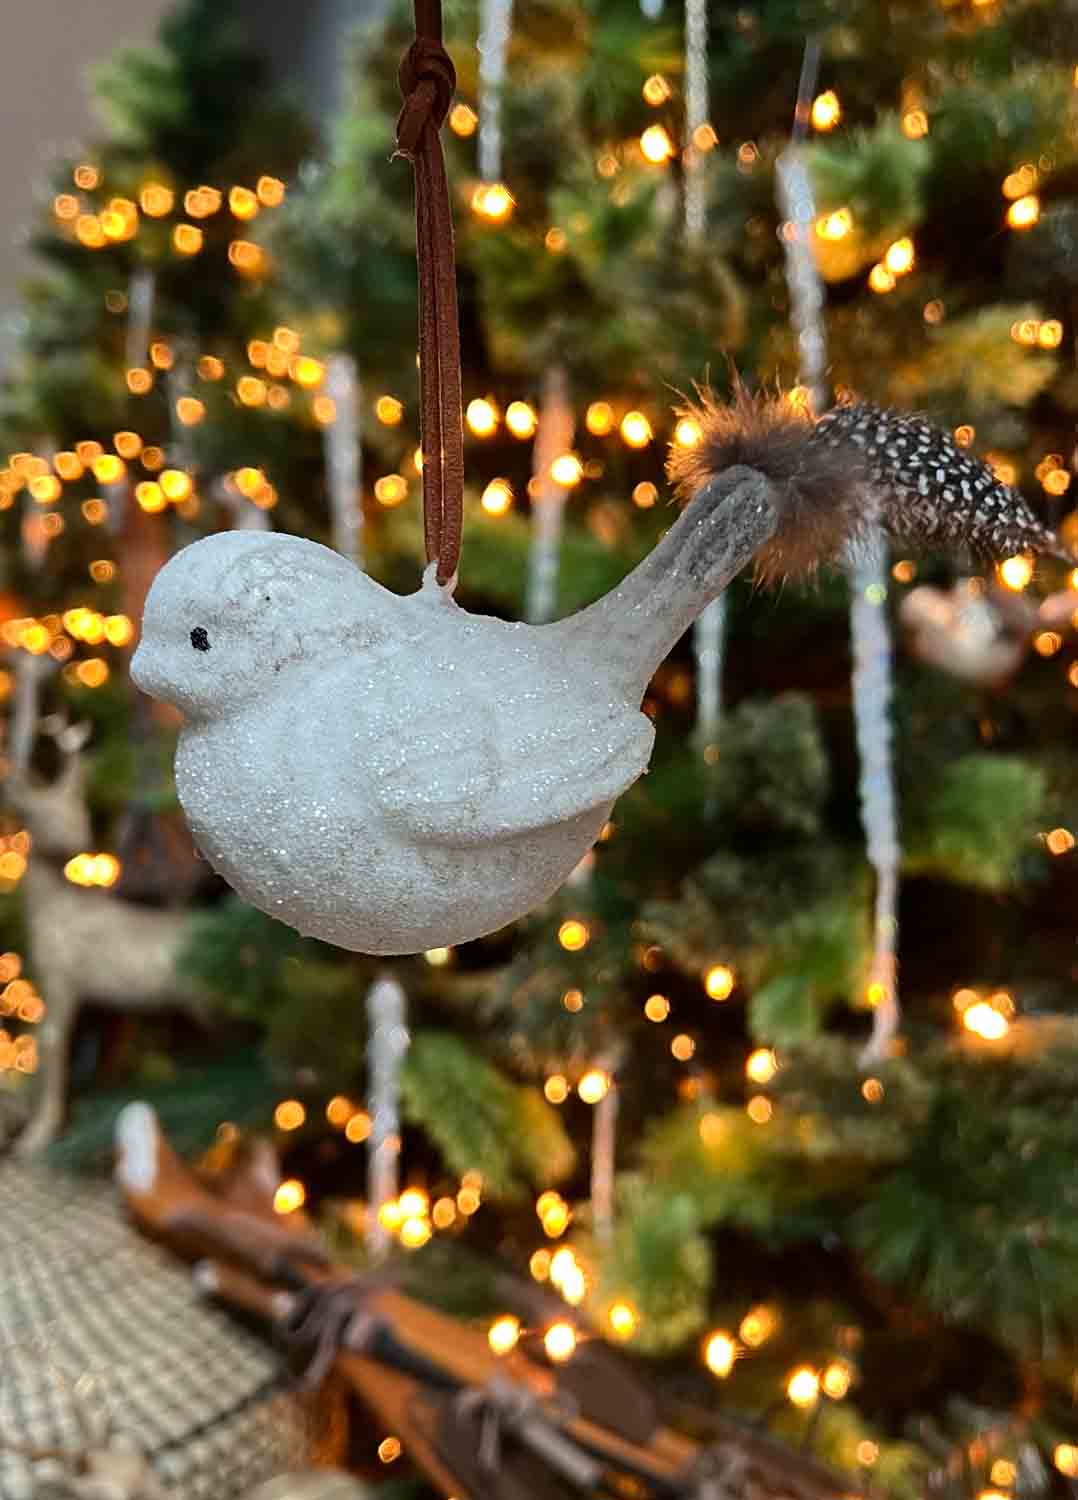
(85, 944)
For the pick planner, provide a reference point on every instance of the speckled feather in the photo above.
(932, 493)
(876, 465)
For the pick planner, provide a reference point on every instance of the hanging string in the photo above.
(427, 81)
(870, 635)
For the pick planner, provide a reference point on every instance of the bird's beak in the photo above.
(142, 673)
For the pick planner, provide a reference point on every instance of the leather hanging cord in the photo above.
(427, 81)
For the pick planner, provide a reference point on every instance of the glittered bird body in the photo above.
(395, 774)
(410, 794)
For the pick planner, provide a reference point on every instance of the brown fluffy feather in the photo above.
(822, 490)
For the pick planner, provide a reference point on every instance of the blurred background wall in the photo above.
(44, 108)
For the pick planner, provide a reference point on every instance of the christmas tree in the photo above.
(692, 1091)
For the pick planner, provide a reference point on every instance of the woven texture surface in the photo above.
(103, 1337)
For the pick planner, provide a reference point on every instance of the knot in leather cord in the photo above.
(427, 81)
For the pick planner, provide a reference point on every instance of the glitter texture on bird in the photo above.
(394, 774)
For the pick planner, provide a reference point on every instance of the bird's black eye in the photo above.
(199, 639)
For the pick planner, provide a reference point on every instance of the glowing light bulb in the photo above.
(270, 190)
(444, 1213)
(503, 1335)
(187, 239)
(573, 935)
(203, 201)
(108, 468)
(636, 429)
(46, 488)
(556, 1089)
(289, 1115)
(720, 1354)
(1065, 1458)
(521, 419)
(190, 410)
(497, 498)
(358, 1128)
(468, 1201)
(482, 417)
(1016, 572)
(599, 418)
(656, 90)
(243, 203)
(251, 390)
(493, 201)
(556, 1219)
(390, 489)
(68, 465)
(118, 630)
(881, 280)
(120, 219)
(757, 1326)
(307, 372)
(389, 410)
(803, 1386)
(593, 1086)
(657, 1007)
(656, 145)
(719, 981)
(1024, 212)
(339, 1111)
(247, 257)
(836, 1380)
(826, 111)
(900, 256)
(389, 1450)
(415, 1232)
(414, 1203)
(176, 484)
(687, 433)
(156, 200)
(622, 1319)
(985, 1021)
(915, 124)
(560, 1342)
(835, 226)
(463, 120)
(290, 1196)
(761, 1065)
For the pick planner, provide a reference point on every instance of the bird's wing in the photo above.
(474, 769)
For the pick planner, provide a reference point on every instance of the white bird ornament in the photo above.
(394, 774)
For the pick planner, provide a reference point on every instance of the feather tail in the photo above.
(858, 465)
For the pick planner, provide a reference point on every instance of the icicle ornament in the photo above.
(389, 1043)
